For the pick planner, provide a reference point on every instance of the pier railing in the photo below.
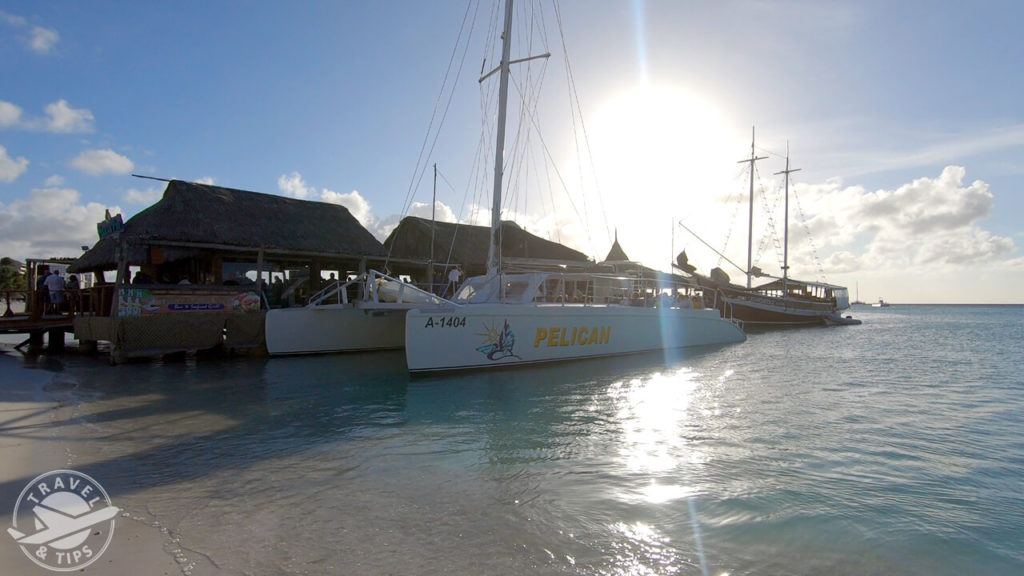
(34, 304)
(18, 297)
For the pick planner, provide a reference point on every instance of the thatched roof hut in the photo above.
(616, 254)
(191, 218)
(468, 245)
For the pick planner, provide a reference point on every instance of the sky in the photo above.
(904, 120)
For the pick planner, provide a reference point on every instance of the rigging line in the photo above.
(577, 111)
(810, 238)
(421, 161)
(550, 158)
(420, 169)
(735, 199)
(527, 109)
(458, 218)
(771, 234)
(475, 205)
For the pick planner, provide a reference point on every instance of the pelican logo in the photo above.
(63, 520)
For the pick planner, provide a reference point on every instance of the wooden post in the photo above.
(259, 276)
(122, 271)
(55, 339)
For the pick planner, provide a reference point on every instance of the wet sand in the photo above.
(37, 434)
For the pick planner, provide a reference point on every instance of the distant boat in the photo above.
(782, 302)
(881, 304)
(857, 301)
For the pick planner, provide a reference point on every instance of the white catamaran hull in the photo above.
(495, 335)
(374, 320)
(334, 328)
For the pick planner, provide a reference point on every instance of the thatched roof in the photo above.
(201, 215)
(468, 245)
(616, 254)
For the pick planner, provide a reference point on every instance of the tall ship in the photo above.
(529, 315)
(779, 302)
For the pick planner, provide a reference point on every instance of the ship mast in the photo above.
(494, 251)
(785, 236)
(750, 221)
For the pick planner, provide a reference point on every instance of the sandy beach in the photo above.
(38, 435)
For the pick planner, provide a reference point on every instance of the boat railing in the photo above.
(367, 287)
(790, 302)
(590, 288)
(330, 290)
(724, 306)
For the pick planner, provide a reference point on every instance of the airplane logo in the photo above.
(60, 525)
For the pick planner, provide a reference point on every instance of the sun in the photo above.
(660, 152)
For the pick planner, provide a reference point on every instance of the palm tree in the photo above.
(11, 279)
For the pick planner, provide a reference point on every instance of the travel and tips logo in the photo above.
(63, 520)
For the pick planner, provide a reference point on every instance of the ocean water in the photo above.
(895, 447)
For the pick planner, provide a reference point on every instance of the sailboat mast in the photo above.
(499, 149)
(785, 236)
(433, 209)
(750, 221)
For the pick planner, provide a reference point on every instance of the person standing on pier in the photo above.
(454, 277)
(55, 288)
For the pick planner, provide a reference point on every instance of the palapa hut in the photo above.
(194, 227)
(193, 242)
(468, 245)
(616, 253)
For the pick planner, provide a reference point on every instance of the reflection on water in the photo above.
(750, 459)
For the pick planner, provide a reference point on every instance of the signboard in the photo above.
(112, 225)
(143, 301)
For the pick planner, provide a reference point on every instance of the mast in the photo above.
(750, 222)
(785, 236)
(433, 209)
(494, 251)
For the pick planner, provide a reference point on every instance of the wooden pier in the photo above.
(34, 322)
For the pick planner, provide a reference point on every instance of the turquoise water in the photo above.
(894, 447)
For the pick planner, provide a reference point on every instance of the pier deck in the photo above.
(54, 325)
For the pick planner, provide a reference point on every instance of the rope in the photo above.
(422, 162)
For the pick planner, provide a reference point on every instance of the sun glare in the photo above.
(660, 153)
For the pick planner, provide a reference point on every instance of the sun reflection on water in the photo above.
(654, 414)
(662, 418)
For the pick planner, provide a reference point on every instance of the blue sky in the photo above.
(904, 118)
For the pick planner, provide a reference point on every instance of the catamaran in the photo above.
(364, 313)
(517, 317)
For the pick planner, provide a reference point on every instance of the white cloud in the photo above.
(11, 168)
(147, 196)
(294, 186)
(52, 221)
(441, 213)
(927, 224)
(384, 226)
(208, 180)
(355, 203)
(54, 181)
(42, 40)
(65, 119)
(10, 115)
(96, 162)
(59, 117)
(12, 20)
